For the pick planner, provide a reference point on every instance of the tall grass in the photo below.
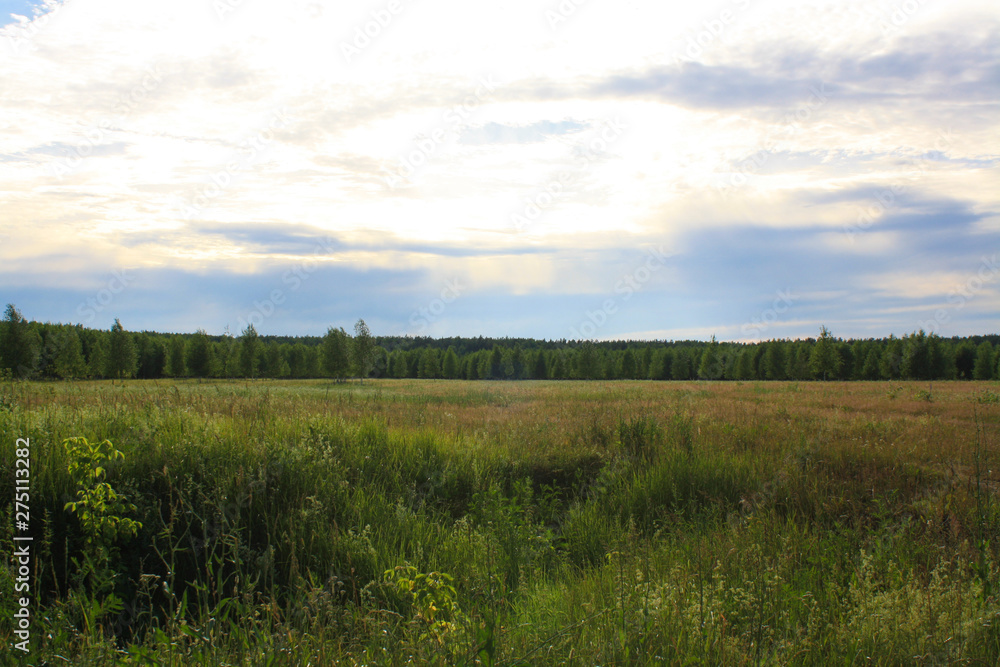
(536, 523)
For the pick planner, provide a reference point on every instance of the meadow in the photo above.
(454, 522)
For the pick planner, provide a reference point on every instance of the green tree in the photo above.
(225, 358)
(151, 355)
(197, 355)
(450, 366)
(629, 368)
(798, 357)
(97, 354)
(870, 369)
(587, 362)
(336, 353)
(774, 361)
(824, 361)
(983, 370)
(681, 368)
(607, 362)
(471, 364)
(710, 367)
(429, 365)
(508, 365)
(744, 365)
(380, 363)
(965, 360)
(122, 359)
(67, 361)
(916, 361)
(19, 344)
(175, 357)
(890, 366)
(273, 365)
(539, 366)
(491, 364)
(400, 369)
(845, 368)
(250, 346)
(662, 365)
(644, 361)
(558, 367)
(363, 350)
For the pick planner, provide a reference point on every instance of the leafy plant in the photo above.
(100, 510)
(98, 506)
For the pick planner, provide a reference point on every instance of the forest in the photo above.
(63, 351)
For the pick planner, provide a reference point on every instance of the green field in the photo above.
(507, 523)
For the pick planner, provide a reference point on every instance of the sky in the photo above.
(543, 168)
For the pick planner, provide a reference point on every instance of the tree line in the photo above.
(62, 351)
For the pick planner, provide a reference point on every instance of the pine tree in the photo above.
(744, 365)
(710, 367)
(774, 361)
(870, 370)
(824, 362)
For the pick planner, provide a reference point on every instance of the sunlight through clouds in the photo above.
(529, 148)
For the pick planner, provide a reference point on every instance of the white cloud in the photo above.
(121, 118)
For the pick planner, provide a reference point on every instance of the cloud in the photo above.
(498, 133)
(819, 147)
